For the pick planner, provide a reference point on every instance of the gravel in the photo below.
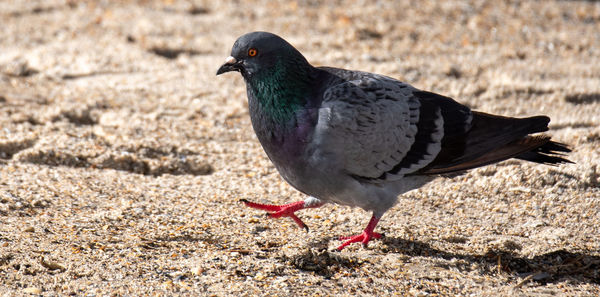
(123, 157)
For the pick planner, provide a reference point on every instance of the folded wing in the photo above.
(380, 130)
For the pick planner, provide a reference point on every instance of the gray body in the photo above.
(328, 162)
(361, 139)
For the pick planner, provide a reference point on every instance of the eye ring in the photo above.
(252, 52)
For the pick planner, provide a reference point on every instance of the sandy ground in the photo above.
(123, 157)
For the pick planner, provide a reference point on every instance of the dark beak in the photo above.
(231, 64)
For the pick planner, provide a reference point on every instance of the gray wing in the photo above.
(377, 129)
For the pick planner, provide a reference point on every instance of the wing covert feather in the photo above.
(369, 124)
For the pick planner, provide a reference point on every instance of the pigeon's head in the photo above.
(259, 52)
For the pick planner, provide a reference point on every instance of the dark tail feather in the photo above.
(495, 138)
(554, 147)
(549, 153)
(528, 148)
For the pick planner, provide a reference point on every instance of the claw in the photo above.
(364, 237)
(278, 211)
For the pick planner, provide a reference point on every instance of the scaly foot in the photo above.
(364, 237)
(286, 210)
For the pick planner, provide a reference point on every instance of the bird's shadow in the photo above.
(552, 267)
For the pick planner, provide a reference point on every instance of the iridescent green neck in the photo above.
(282, 90)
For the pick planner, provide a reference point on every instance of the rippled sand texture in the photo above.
(123, 157)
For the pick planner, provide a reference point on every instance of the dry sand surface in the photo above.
(123, 157)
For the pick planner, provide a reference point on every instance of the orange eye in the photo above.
(252, 52)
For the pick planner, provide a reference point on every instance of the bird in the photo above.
(362, 139)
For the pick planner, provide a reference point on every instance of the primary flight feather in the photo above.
(361, 139)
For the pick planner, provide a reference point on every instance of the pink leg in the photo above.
(286, 210)
(364, 237)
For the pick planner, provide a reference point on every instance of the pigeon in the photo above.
(362, 139)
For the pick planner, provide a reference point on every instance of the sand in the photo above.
(123, 157)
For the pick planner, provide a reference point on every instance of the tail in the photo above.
(493, 139)
(549, 153)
